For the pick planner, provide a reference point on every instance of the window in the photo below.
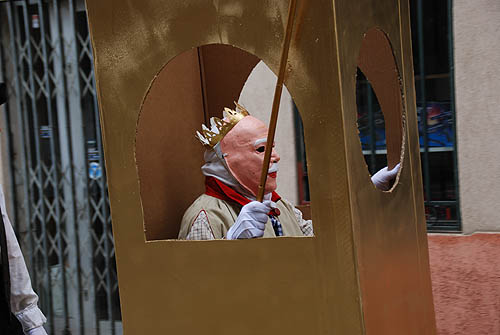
(432, 36)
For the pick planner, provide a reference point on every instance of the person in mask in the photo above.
(234, 155)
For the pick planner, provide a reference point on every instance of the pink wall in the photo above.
(465, 274)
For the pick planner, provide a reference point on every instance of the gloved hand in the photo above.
(251, 222)
(382, 179)
(37, 331)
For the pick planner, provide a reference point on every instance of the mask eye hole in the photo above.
(261, 149)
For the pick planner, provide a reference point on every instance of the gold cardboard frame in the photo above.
(365, 272)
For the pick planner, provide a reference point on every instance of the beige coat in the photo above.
(211, 218)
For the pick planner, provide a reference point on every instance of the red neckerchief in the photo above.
(217, 189)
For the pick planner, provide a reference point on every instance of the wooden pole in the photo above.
(276, 100)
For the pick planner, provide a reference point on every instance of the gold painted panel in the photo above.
(319, 285)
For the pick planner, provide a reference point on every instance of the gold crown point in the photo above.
(202, 138)
(216, 125)
(241, 108)
(226, 112)
(219, 128)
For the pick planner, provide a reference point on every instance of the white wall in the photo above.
(257, 97)
(477, 75)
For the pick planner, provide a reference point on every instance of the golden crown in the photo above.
(219, 128)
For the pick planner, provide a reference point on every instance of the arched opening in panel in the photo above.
(187, 93)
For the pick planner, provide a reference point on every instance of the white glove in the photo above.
(382, 179)
(251, 222)
(37, 331)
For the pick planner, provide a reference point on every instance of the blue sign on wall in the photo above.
(95, 170)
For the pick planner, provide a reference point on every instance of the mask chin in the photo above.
(250, 188)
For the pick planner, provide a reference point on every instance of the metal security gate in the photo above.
(59, 189)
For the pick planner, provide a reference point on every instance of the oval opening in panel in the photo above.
(371, 124)
(379, 107)
(191, 89)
